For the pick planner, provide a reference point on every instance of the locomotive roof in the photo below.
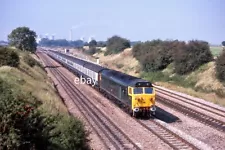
(125, 79)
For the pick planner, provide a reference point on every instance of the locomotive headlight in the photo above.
(153, 108)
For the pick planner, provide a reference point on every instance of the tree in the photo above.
(223, 43)
(23, 38)
(156, 54)
(92, 43)
(101, 44)
(191, 56)
(116, 44)
(220, 66)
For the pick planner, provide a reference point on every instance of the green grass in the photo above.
(164, 77)
(216, 50)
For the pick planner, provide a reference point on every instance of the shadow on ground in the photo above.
(52, 66)
(165, 116)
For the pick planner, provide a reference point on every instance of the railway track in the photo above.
(198, 104)
(110, 134)
(199, 116)
(173, 140)
(106, 129)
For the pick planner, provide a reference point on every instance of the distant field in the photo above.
(216, 50)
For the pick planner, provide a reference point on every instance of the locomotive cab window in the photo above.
(148, 90)
(138, 90)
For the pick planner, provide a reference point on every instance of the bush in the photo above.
(24, 127)
(69, 134)
(116, 44)
(21, 125)
(191, 56)
(92, 51)
(119, 66)
(101, 44)
(30, 60)
(220, 66)
(156, 54)
(9, 57)
(92, 43)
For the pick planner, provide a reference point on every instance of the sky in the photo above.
(136, 20)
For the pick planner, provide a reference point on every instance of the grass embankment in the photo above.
(46, 124)
(201, 83)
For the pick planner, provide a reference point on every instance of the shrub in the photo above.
(156, 54)
(21, 125)
(116, 44)
(220, 66)
(119, 66)
(91, 51)
(29, 60)
(191, 56)
(24, 127)
(69, 133)
(9, 57)
(101, 44)
(92, 43)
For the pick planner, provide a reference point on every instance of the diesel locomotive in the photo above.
(135, 94)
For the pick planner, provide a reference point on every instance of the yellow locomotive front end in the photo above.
(143, 100)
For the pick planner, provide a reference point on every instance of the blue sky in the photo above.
(133, 19)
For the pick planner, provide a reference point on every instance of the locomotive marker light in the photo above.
(82, 80)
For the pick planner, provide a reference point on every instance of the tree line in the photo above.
(156, 55)
(153, 55)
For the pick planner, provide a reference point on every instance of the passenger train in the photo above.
(135, 94)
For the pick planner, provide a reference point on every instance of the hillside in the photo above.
(201, 83)
(33, 80)
(32, 114)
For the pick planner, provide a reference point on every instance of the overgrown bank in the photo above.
(160, 62)
(32, 116)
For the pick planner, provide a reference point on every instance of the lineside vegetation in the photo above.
(156, 55)
(220, 66)
(28, 119)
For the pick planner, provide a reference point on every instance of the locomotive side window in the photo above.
(130, 90)
(124, 91)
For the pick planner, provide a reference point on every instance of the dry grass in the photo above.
(124, 62)
(207, 79)
(206, 87)
(34, 80)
